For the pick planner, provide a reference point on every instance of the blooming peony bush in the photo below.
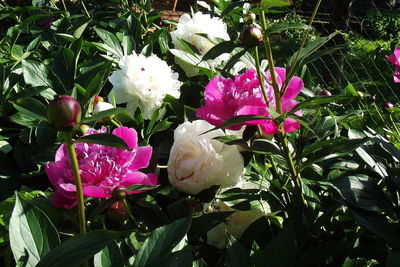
(205, 170)
(226, 98)
(102, 168)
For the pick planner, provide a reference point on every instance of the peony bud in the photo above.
(388, 105)
(373, 98)
(64, 112)
(119, 193)
(250, 18)
(251, 36)
(117, 212)
(325, 93)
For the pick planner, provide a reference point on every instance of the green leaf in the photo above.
(111, 41)
(140, 187)
(362, 192)
(104, 139)
(234, 59)
(236, 254)
(351, 90)
(31, 107)
(322, 100)
(237, 120)
(281, 27)
(36, 74)
(201, 225)
(271, 255)
(64, 67)
(219, 49)
(78, 249)
(31, 232)
(232, 6)
(78, 32)
(181, 258)
(378, 225)
(109, 256)
(159, 244)
(105, 114)
(267, 4)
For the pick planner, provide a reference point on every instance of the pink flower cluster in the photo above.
(395, 60)
(102, 168)
(226, 98)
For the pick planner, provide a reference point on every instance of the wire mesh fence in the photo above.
(371, 29)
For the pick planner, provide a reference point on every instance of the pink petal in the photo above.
(214, 114)
(128, 135)
(269, 127)
(61, 152)
(60, 201)
(294, 88)
(139, 178)
(291, 125)
(142, 158)
(214, 91)
(96, 191)
(54, 173)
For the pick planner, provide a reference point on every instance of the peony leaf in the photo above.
(111, 41)
(267, 4)
(32, 234)
(236, 254)
(159, 244)
(109, 256)
(237, 120)
(105, 114)
(219, 49)
(31, 108)
(271, 254)
(281, 27)
(36, 74)
(201, 225)
(104, 139)
(78, 249)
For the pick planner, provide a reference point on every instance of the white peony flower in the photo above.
(197, 161)
(143, 82)
(188, 28)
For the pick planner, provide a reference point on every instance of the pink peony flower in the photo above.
(102, 168)
(395, 60)
(226, 98)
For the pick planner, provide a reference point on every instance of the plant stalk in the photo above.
(303, 42)
(78, 180)
(260, 75)
(268, 51)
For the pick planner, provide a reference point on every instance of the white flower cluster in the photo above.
(197, 161)
(143, 82)
(188, 29)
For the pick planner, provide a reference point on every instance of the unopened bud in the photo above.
(325, 93)
(64, 112)
(388, 105)
(250, 18)
(119, 193)
(251, 36)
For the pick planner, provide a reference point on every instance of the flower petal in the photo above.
(96, 191)
(294, 88)
(142, 158)
(60, 201)
(128, 135)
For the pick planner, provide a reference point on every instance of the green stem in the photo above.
(303, 42)
(84, 7)
(293, 172)
(394, 124)
(128, 211)
(274, 168)
(268, 51)
(260, 76)
(78, 180)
